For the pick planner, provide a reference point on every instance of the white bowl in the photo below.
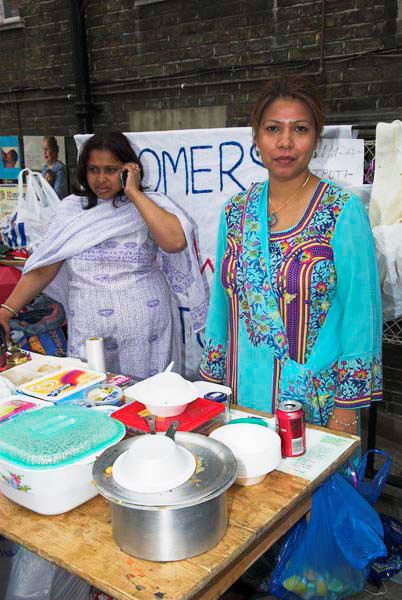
(164, 394)
(246, 481)
(153, 463)
(167, 411)
(257, 449)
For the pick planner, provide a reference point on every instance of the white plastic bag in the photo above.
(385, 204)
(33, 578)
(35, 207)
(388, 240)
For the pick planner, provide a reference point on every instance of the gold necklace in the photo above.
(273, 215)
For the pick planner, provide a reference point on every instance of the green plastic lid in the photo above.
(254, 420)
(57, 436)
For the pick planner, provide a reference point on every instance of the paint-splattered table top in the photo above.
(81, 541)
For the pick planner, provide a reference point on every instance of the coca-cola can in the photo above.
(291, 428)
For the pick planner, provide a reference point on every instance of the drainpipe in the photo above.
(83, 107)
(322, 37)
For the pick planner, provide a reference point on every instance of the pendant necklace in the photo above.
(273, 215)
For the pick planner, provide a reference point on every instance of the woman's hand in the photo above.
(5, 316)
(164, 226)
(133, 182)
(29, 286)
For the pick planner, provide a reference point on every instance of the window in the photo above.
(9, 12)
(178, 118)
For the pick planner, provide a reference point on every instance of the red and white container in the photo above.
(291, 428)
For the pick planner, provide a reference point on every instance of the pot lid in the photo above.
(56, 436)
(216, 470)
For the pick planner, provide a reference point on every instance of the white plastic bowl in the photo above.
(257, 449)
(153, 463)
(246, 481)
(167, 411)
(164, 395)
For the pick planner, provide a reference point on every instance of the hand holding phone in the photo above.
(123, 177)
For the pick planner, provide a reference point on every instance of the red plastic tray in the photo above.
(196, 414)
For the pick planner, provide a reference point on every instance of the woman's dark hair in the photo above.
(291, 86)
(114, 142)
(52, 143)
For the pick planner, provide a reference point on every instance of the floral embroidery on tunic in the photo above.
(357, 378)
(213, 362)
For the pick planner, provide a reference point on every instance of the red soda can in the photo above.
(291, 428)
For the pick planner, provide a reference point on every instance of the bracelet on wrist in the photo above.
(11, 310)
(342, 423)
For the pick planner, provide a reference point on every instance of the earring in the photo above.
(257, 151)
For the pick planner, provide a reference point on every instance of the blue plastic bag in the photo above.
(390, 566)
(370, 489)
(52, 343)
(329, 555)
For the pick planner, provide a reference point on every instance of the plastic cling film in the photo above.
(95, 354)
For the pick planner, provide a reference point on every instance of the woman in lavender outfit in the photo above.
(119, 260)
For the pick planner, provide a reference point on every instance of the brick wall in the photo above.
(36, 71)
(179, 54)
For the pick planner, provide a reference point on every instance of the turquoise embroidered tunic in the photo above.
(296, 314)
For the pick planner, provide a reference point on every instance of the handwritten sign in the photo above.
(8, 199)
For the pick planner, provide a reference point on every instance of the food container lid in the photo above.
(216, 470)
(163, 389)
(62, 384)
(57, 436)
(105, 393)
(13, 406)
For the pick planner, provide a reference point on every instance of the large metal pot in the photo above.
(177, 524)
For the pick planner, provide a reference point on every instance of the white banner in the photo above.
(201, 168)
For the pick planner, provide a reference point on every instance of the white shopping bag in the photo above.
(35, 207)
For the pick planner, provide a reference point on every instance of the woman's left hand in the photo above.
(164, 226)
(133, 182)
(343, 420)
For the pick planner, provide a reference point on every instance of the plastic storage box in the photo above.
(63, 386)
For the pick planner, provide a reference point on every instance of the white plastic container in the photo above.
(105, 394)
(257, 449)
(164, 395)
(40, 366)
(51, 491)
(63, 385)
(46, 456)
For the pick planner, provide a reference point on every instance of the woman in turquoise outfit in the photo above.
(295, 310)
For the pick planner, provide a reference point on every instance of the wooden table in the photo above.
(81, 540)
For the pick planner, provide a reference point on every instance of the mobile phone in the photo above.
(123, 178)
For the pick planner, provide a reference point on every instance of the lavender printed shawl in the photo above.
(74, 230)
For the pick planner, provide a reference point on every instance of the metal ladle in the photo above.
(171, 430)
(150, 419)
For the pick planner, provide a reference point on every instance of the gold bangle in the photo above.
(342, 423)
(11, 310)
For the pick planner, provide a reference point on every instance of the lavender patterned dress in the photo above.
(117, 291)
(116, 283)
